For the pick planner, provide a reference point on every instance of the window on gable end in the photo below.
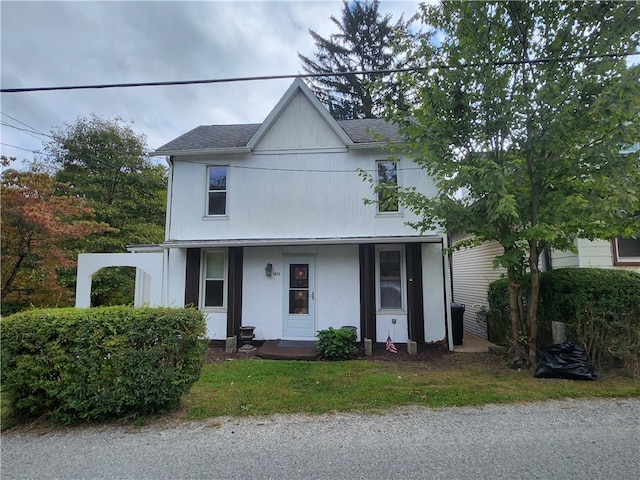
(217, 190)
(387, 175)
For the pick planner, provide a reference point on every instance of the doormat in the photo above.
(297, 343)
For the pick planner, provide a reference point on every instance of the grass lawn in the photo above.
(251, 386)
(263, 387)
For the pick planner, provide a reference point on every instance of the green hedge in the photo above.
(499, 317)
(100, 363)
(600, 307)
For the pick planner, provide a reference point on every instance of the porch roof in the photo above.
(280, 242)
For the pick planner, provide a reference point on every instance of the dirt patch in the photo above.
(428, 357)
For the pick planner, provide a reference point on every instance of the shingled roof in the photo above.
(206, 137)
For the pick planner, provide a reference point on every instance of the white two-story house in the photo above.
(267, 226)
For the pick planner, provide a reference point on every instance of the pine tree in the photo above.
(365, 42)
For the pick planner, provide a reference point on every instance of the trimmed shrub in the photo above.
(600, 307)
(100, 363)
(337, 344)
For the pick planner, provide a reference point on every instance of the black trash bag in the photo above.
(565, 360)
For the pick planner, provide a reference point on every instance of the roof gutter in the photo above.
(281, 242)
(200, 151)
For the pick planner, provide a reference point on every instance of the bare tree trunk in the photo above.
(24, 247)
(532, 304)
(516, 315)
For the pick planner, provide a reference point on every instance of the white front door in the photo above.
(299, 297)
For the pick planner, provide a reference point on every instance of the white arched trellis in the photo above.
(148, 275)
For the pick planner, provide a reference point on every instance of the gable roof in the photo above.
(244, 137)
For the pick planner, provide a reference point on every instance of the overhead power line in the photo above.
(19, 148)
(35, 130)
(26, 130)
(315, 75)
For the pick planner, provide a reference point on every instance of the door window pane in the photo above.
(298, 302)
(299, 288)
(390, 280)
(299, 275)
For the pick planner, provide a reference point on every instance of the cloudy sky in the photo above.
(57, 43)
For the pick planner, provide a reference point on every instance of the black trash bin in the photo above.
(457, 314)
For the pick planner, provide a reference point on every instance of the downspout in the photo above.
(167, 229)
(165, 277)
(446, 272)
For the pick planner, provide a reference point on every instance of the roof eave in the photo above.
(365, 145)
(199, 151)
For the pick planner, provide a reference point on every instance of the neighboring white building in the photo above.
(472, 269)
(267, 226)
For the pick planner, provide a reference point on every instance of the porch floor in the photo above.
(473, 344)
(288, 350)
(301, 350)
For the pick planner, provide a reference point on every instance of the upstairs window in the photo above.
(626, 251)
(217, 191)
(388, 176)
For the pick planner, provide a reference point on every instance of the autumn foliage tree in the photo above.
(36, 225)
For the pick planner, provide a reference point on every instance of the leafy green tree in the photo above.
(523, 131)
(106, 163)
(364, 43)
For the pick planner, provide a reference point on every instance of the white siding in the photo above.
(279, 192)
(564, 259)
(290, 199)
(175, 278)
(595, 253)
(433, 282)
(337, 288)
(300, 181)
(591, 254)
(472, 272)
(298, 128)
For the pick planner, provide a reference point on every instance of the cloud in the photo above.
(78, 43)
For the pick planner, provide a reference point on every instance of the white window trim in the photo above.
(403, 279)
(206, 215)
(400, 211)
(203, 280)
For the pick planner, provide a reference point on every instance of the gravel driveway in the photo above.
(587, 439)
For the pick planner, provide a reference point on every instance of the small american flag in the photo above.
(390, 345)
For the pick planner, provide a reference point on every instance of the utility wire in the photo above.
(33, 133)
(35, 130)
(20, 148)
(315, 75)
